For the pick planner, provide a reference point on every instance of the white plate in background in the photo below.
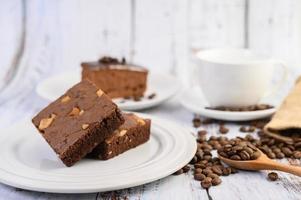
(28, 162)
(164, 86)
(193, 100)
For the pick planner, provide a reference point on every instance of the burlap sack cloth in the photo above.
(288, 115)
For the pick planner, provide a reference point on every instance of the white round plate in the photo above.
(28, 162)
(193, 100)
(164, 86)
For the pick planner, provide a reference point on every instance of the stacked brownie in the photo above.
(132, 133)
(116, 78)
(85, 118)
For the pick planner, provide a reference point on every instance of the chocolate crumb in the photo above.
(151, 96)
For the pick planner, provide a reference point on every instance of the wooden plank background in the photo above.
(40, 35)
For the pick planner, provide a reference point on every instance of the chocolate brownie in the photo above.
(74, 124)
(133, 132)
(116, 78)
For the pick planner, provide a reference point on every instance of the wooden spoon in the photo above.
(262, 163)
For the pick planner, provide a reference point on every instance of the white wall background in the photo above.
(39, 37)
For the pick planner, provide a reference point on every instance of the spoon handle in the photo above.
(296, 170)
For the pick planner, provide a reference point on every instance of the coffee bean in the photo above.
(217, 170)
(207, 157)
(193, 160)
(243, 129)
(255, 155)
(223, 130)
(216, 181)
(244, 155)
(280, 155)
(235, 157)
(252, 129)
(208, 121)
(180, 171)
(298, 145)
(206, 183)
(297, 154)
(233, 170)
(200, 154)
(216, 161)
(200, 165)
(226, 171)
(263, 106)
(196, 122)
(209, 164)
(208, 179)
(202, 133)
(276, 150)
(286, 151)
(248, 150)
(186, 169)
(207, 171)
(198, 171)
(203, 162)
(217, 146)
(273, 176)
(207, 152)
(237, 148)
(201, 139)
(212, 175)
(271, 155)
(199, 177)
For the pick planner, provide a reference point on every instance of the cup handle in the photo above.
(283, 78)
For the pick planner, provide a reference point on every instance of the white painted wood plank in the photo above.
(92, 29)
(275, 29)
(214, 23)
(11, 15)
(154, 27)
(37, 60)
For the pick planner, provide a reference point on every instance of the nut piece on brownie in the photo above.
(134, 132)
(116, 78)
(78, 121)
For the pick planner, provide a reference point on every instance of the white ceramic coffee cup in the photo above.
(235, 77)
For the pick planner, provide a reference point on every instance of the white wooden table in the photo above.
(40, 38)
(244, 185)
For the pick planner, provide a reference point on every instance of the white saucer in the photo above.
(164, 86)
(195, 102)
(28, 162)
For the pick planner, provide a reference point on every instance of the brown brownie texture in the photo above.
(116, 78)
(75, 123)
(134, 132)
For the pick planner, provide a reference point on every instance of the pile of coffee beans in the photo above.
(242, 109)
(239, 150)
(276, 149)
(208, 169)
